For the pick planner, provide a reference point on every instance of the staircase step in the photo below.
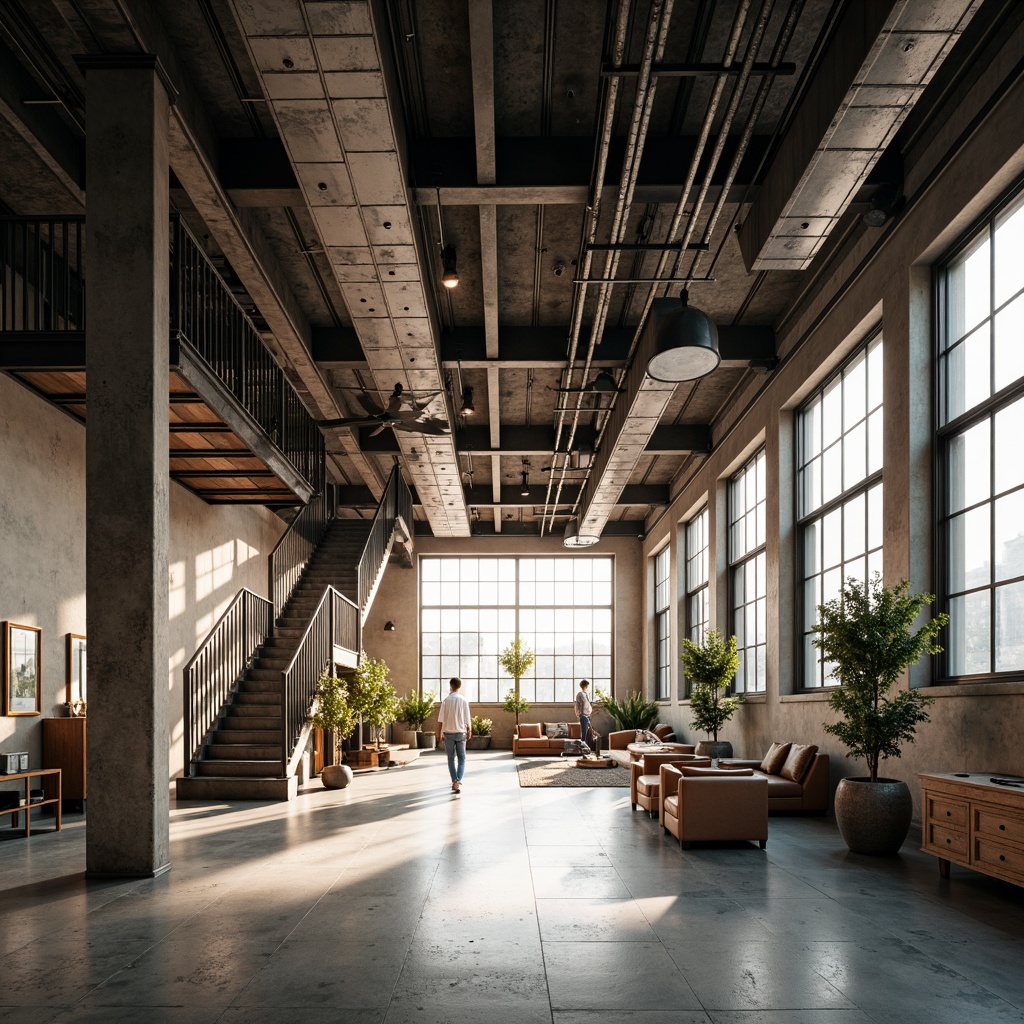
(263, 674)
(245, 712)
(252, 737)
(236, 769)
(236, 788)
(263, 686)
(243, 752)
(250, 722)
(271, 697)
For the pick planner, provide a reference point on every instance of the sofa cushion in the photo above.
(533, 743)
(671, 805)
(693, 772)
(648, 784)
(530, 730)
(780, 788)
(798, 760)
(574, 730)
(663, 732)
(775, 758)
(556, 730)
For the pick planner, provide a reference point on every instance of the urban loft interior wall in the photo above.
(214, 551)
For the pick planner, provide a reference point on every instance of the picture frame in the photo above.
(77, 676)
(23, 656)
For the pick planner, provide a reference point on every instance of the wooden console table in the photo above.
(27, 807)
(970, 820)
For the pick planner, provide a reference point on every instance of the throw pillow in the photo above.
(688, 770)
(530, 730)
(663, 732)
(798, 760)
(556, 730)
(775, 758)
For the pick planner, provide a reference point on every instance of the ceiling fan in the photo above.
(401, 413)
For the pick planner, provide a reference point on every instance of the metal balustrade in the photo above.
(397, 501)
(295, 547)
(216, 668)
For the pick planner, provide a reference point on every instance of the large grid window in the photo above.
(839, 491)
(472, 608)
(981, 423)
(698, 577)
(748, 584)
(662, 605)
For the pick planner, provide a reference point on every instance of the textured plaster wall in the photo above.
(398, 600)
(873, 278)
(214, 551)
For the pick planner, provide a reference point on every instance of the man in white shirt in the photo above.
(584, 708)
(453, 722)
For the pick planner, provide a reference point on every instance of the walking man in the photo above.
(453, 722)
(584, 709)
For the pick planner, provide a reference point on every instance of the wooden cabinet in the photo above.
(64, 748)
(971, 820)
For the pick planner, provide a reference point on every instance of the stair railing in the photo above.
(216, 668)
(297, 544)
(334, 623)
(397, 500)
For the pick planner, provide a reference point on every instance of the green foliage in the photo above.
(633, 712)
(515, 704)
(481, 726)
(333, 711)
(372, 696)
(415, 709)
(517, 659)
(710, 667)
(867, 634)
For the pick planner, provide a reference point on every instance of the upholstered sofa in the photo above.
(797, 777)
(713, 804)
(531, 739)
(645, 778)
(614, 744)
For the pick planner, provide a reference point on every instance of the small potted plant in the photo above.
(333, 713)
(517, 659)
(373, 698)
(481, 738)
(710, 667)
(867, 634)
(415, 710)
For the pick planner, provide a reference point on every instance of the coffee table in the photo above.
(595, 762)
(637, 750)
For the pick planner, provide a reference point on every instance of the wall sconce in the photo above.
(686, 345)
(389, 627)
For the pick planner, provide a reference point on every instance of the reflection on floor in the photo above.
(395, 901)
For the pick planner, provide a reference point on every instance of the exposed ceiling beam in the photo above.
(510, 497)
(616, 528)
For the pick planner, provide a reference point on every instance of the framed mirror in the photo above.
(22, 669)
(76, 673)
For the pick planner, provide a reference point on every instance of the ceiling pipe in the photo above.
(654, 45)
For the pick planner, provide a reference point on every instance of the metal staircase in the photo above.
(250, 746)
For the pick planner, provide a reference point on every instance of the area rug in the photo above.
(534, 775)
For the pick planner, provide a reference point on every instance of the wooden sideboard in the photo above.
(64, 748)
(968, 819)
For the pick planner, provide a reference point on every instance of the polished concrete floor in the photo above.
(393, 901)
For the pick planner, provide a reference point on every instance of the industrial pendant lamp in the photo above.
(604, 382)
(685, 346)
(572, 538)
(467, 402)
(449, 275)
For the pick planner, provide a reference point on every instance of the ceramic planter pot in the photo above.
(336, 776)
(711, 748)
(873, 817)
(427, 740)
(411, 737)
(478, 743)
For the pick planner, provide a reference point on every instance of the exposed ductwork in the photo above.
(874, 69)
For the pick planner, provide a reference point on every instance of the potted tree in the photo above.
(710, 667)
(517, 659)
(415, 710)
(333, 713)
(373, 698)
(867, 634)
(481, 738)
(634, 711)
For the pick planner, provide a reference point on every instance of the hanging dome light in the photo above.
(685, 346)
(604, 382)
(449, 275)
(573, 539)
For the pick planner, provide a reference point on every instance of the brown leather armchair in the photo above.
(703, 804)
(645, 781)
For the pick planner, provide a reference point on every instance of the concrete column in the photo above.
(127, 237)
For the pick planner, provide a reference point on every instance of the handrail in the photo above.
(335, 620)
(217, 666)
(396, 500)
(42, 282)
(296, 545)
(207, 317)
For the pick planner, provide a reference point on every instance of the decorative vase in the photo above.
(873, 817)
(478, 743)
(336, 776)
(412, 737)
(427, 741)
(714, 748)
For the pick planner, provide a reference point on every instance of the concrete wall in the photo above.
(398, 600)
(214, 550)
(960, 164)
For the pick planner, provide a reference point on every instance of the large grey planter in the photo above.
(427, 740)
(336, 776)
(873, 817)
(710, 748)
(478, 743)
